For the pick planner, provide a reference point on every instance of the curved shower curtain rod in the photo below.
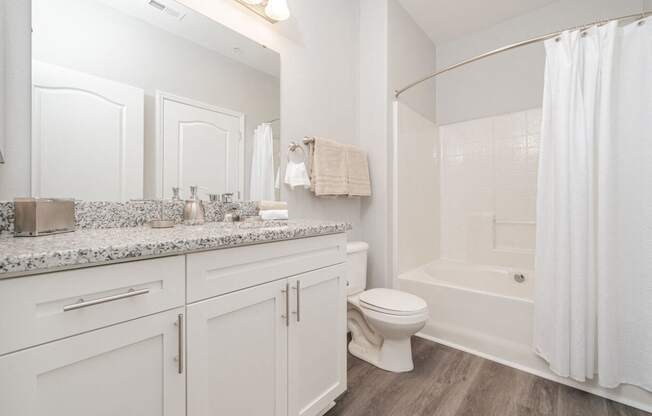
(398, 93)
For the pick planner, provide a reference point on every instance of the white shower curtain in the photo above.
(261, 183)
(593, 300)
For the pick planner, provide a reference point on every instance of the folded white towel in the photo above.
(267, 205)
(274, 214)
(296, 174)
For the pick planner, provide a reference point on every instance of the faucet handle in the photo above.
(175, 194)
(193, 191)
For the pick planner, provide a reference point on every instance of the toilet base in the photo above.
(391, 355)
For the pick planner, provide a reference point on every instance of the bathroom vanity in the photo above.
(130, 101)
(212, 320)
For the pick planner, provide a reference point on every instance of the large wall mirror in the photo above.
(131, 98)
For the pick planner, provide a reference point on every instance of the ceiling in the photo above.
(446, 20)
(195, 27)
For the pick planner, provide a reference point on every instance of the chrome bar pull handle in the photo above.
(180, 345)
(286, 292)
(85, 304)
(298, 300)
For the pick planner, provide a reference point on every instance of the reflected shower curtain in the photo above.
(593, 297)
(261, 182)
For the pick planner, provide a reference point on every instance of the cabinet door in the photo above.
(127, 369)
(237, 353)
(317, 340)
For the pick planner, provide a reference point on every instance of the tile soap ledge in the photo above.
(90, 247)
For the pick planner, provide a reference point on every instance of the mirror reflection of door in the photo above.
(199, 144)
(97, 132)
(87, 136)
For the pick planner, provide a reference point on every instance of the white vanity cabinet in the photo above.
(237, 353)
(245, 331)
(276, 348)
(316, 340)
(127, 369)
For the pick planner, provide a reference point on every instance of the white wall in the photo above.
(393, 50)
(319, 82)
(513, 80)
(411, 56)
(110, 44)
(374, 133)
(416, 206)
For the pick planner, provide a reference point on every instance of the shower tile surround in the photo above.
(90, 215)
(489, 182)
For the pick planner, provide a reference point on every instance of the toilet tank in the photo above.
(356, 267)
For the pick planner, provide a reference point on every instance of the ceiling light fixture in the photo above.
(271, 10)
(277, 10)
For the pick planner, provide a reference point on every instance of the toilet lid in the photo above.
(392, 302)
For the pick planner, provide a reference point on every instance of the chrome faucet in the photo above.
(193, 212)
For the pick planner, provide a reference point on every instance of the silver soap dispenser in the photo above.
(193, 212)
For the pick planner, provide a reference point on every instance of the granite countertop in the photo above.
(90, 247)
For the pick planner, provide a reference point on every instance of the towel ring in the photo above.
(293, 147)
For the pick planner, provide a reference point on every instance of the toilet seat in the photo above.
(392, 302)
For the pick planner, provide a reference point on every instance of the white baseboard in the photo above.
(327, 409)
(543, 374)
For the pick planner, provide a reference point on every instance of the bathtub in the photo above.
(485, 311)
(481, 308)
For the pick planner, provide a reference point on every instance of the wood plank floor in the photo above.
(449, 382)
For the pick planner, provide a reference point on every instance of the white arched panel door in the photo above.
(87, 136)
(199, 144)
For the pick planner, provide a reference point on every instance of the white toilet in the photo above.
(381, 321)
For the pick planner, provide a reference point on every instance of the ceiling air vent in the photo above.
(166, 9)
(155, 4)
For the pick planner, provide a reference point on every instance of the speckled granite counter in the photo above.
(22, 256)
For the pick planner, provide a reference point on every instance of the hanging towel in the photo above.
(357, 172)
(328, 168)
(296, 174)
(261, 184)
(338, 170)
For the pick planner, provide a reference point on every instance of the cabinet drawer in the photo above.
(218, 272)
(42, 308)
